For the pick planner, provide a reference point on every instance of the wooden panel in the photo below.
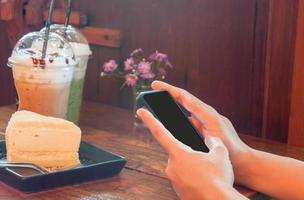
(7, 10)
(76, 18)
(34, 13)
(160, 25)
(258, 67)
(228, 59)
(213, 45)
(102, 36)
(107, 14)
(280, 53)
(14, 30)
(7, 94)
(296, 125)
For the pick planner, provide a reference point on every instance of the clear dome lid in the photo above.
(28, 51)
(76, 39)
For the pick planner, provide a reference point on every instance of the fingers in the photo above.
(203, 112)
(227, 122)
(161, 134)
(197, 124)
(216, 145)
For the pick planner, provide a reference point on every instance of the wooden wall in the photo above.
(10, 33)
(296, 125)
(236, 55)
(279, 68)
(216, 47)
(7, 94)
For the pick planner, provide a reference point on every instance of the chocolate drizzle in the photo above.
(54, 54)
(35, 61)
(38, 62)
(42, 63)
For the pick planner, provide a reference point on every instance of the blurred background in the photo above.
(243, 57)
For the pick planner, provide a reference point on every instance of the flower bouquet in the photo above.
(138, 72)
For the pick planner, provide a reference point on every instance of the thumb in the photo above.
(215, 145)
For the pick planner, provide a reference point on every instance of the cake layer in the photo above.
(25, 119)
(29, 131)
(40, 139)
(45, 159)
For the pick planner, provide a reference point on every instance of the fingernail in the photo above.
(139, 111)
(153, 84)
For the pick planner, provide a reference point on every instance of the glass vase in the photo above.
(138, 123)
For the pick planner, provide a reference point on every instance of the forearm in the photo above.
(276, 176)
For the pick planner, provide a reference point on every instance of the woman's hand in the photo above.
(210, 123)
(195, 175)
(279, 177)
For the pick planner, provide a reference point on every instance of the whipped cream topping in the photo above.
(29, 67)
(81, 49)
(32, 57)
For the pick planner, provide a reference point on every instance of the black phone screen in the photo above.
(172, 117)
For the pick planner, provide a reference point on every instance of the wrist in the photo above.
(243, 161)
(222, 191)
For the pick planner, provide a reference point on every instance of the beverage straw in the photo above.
(47, 30)
(68, 13)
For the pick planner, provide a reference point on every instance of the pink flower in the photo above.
(131, 80)
(110, 66)
(159, 57)
(148, 76)
(129, 64)
(136, 51)
(144, 67)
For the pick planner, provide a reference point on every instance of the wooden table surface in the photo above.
(143, 177)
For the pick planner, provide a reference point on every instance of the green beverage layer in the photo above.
(75, 100)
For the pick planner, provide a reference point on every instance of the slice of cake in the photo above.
(46, 141)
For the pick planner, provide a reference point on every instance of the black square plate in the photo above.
(95, 164)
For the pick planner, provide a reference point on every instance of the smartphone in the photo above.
(162, 105)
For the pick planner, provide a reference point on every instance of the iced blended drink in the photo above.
(43, 85)
(82, 52)
(43, 91)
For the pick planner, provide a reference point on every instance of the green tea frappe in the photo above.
(77, 84)
(43, 85)
(82, 52)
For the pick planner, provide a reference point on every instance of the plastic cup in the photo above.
(43, 85)
(82, 53)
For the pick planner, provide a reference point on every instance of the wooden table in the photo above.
(142, 178)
